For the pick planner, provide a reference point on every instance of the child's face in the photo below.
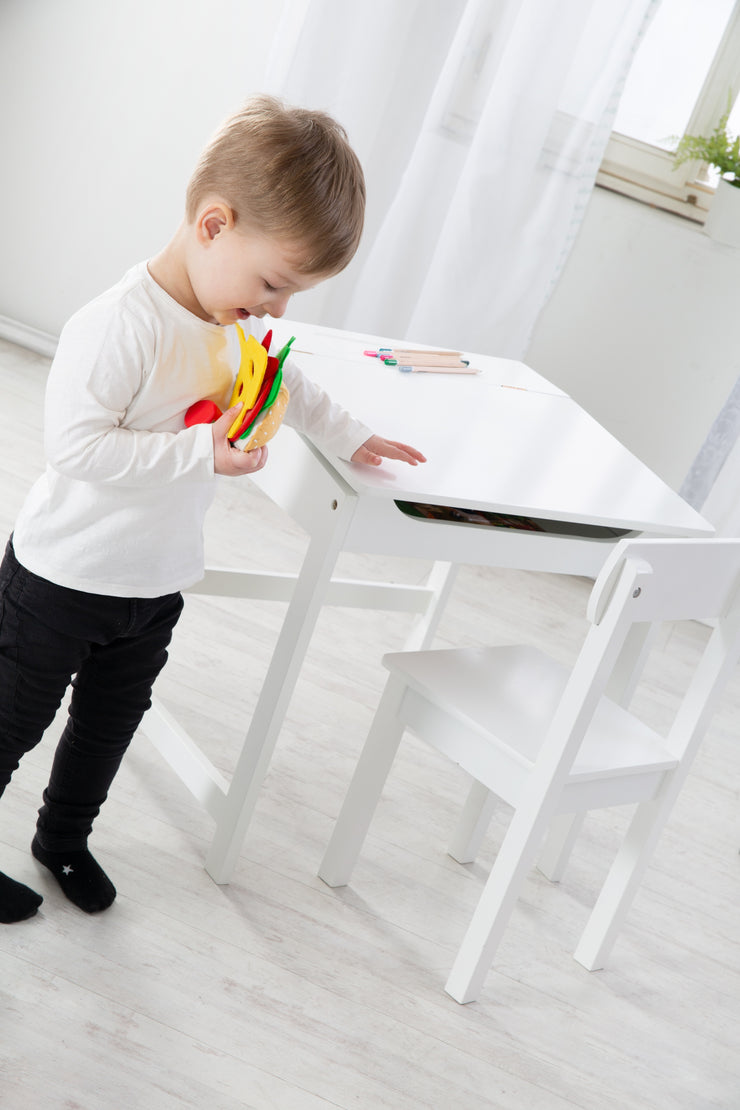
(235, 274)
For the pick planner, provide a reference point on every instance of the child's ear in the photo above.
(212, 220)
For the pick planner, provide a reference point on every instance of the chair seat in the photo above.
(507, 696)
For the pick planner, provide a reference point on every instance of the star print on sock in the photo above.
(82, 878)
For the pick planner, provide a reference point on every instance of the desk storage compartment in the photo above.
(483, 519)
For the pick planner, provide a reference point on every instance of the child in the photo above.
(112, 532)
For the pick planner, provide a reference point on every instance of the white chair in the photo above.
(550, 743)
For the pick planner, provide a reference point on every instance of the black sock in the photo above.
(17, 902)
(79, 875)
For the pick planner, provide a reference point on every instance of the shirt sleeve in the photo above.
(312, 411)
(100, 365)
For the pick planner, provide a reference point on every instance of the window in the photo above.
(684, 72)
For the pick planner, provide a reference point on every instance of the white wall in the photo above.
(106, 105)
(642, 329)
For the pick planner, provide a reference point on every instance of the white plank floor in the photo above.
(275, 991)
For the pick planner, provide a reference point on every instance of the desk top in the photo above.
(504, 440)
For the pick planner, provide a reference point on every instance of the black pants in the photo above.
(115, 647)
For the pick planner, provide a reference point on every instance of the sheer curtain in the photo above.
(481, 125)
(712, 485)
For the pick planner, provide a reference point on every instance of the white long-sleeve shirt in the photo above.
(121, 506)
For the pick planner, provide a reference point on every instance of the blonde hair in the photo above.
(289, 173)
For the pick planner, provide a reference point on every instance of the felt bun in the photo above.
(267, 424)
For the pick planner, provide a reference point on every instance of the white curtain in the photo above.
(712, 485)
(481, 125)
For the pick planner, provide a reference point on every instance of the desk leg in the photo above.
(308, 596)
(440, 581)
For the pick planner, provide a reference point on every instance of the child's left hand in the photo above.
(375, 449)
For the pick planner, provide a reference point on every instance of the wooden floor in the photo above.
(277, 992)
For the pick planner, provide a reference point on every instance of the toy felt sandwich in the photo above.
(258, 390)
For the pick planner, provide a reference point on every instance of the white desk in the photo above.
(504, 440)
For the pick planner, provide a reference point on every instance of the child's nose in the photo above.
(278, 304)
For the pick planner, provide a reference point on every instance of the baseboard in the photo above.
(31, 338)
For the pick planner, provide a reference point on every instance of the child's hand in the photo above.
(375, 449)
(231, 460)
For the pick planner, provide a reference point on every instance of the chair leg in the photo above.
(621, 884)
(365, 788)
(514, 860)
(474, 821)
(563, 833)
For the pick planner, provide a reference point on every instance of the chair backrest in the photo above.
(674, 579)
(646, 581)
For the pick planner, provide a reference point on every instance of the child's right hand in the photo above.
(231, 460)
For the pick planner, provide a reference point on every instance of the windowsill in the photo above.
(694, 210)
(703, 241)
(648, 174)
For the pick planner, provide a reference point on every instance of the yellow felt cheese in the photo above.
(252, 368)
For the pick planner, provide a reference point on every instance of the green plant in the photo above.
(720, 149)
